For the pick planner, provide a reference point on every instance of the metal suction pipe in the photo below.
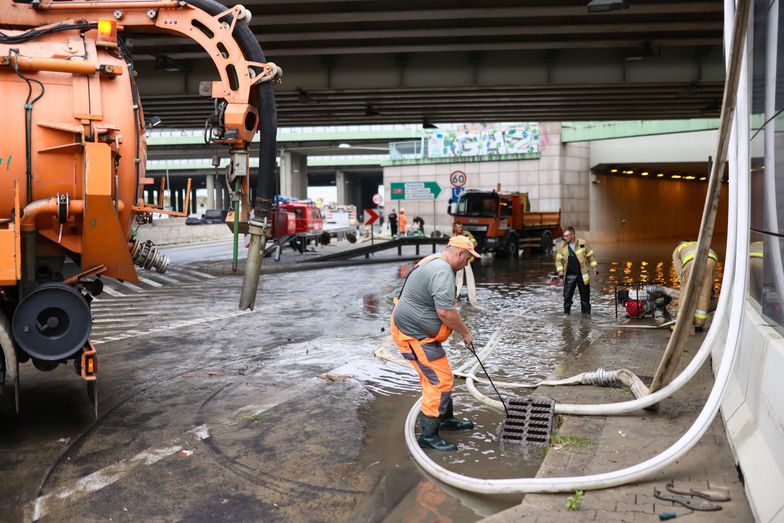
(250, 282)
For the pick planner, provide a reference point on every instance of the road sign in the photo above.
(378, 199)
(415, 190)
(456, 191)
(370, 216)
(458, 179)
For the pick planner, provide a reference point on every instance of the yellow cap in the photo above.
(462, 242)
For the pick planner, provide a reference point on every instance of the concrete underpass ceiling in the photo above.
(383, 61)
(665, 171)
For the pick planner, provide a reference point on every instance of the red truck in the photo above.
(308, 215)
(503, 222)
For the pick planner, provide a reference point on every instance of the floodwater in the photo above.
(341, 443)
(518, 300)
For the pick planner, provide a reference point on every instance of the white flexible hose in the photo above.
(738, 238)
(468, 275)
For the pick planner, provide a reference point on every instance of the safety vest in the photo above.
(584, 255)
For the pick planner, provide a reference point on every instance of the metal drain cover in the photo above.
(530, 421)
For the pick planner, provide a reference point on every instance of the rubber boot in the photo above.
(450, 422)
(429, 438)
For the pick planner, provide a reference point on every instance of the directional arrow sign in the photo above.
(415, 190)
(370, 216)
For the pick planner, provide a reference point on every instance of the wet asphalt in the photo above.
(281, 414)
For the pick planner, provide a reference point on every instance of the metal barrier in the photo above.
(367, 250)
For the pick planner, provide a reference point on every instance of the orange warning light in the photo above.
(107, 33)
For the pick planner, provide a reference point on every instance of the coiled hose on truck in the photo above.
(268, 119)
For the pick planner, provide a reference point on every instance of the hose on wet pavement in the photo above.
(729, 314)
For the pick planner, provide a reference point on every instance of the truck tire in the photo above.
(513, 246)
(547, 242)
(510, 246)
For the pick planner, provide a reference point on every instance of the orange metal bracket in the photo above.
(89, 362)
(160, 210)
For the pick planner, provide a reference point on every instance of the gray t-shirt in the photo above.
(428, 287)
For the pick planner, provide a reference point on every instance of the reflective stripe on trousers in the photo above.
(429, 360)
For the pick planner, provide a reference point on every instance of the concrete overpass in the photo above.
(347, 157)
(371, 61)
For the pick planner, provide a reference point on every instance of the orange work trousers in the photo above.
(428, 358)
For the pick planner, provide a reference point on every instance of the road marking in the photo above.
(187, 277)
(150, 282)
(171, 326)
(111, 292)
(130, 286)
(77, 489)
(165, 278)
(202, 274)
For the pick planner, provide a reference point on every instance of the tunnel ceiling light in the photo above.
(644, 173)
(613, 170)
(660, 175)
(689, 177)
(703, 178)
(676, 176)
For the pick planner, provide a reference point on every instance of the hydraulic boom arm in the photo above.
(244, 97)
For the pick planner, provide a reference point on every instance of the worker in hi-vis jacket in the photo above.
(574, 263)
(682, 258)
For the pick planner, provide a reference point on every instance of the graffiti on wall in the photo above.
(484, 140)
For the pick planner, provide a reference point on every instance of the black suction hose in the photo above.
(268, 126)
(471, 348)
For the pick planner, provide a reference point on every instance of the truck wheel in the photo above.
(512, 246)
(325, 238)
(547, 242)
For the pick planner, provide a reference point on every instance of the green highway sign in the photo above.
(414, 190)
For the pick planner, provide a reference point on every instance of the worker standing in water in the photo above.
(682, 258)
(423, 318)
(574, 262)
(402, 222)
(458, 230)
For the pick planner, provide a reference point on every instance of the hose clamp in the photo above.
(62, 208)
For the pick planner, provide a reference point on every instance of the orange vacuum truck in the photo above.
(72, 161)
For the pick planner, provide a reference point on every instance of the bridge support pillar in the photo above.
(293, 174)
(340, 184)
(210, 191)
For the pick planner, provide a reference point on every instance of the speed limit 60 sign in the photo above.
(458, 179)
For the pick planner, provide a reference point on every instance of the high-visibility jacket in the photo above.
(584, 255)
(682, 258)
(402, 221)
(684, 253)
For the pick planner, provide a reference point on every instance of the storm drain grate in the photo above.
(530, 421)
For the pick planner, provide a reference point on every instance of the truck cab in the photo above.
(308, 215)
(503, 222)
